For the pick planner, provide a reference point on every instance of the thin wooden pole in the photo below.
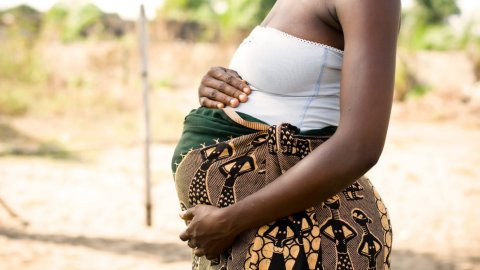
(146, 113)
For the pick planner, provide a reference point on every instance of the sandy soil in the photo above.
(89, 214)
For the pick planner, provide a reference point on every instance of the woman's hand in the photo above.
(210, 231)
(222, 87)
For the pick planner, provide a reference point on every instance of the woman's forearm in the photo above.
(326, 171)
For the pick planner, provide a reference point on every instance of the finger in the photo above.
(230, 77)
(244, 87)
(216, 72)
(208, 103)
(239, 89)
(231, 71)
(199, 252)
(247, 90)
(243, 97)
(191, 244)
(222, 85)
(214, 90)
(210, 257)
(237, 81)
(184, 236)
(227, 82)
(188, 214)
(213, 93)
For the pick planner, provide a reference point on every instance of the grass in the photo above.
(418, 91)
(17, 143)
(14, 102)
(51, 150)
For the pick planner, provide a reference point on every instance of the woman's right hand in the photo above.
(222, 87)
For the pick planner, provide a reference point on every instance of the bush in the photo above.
(14, 101)
(82, 22)
(22, 73)
(425, 26)
(23, 21)
(69, 25)
(434, 37)
(227, 16)
(406, 83)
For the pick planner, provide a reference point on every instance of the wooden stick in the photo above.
(12, 213)
(146, 113)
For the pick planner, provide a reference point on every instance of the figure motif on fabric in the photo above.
(351, 192)
(291, 243)
(234, 169)
(198, 192)
(370, 246)
(339, 232)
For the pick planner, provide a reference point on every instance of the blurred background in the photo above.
(71, 158)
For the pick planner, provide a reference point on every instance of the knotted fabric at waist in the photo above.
(204, 127)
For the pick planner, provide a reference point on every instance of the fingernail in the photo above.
(181, 214)
(246, 89)
(234, 102)
(220, 105)
(242, 97)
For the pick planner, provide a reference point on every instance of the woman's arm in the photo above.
(370, 30)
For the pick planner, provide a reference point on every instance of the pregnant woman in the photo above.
(276, 182)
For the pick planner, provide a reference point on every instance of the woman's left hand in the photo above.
(210, 231)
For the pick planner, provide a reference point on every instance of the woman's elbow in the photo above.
(365, 155)
(360, 151)
(370, 155)
(370, 160)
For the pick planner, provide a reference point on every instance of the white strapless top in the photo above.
(293, 80)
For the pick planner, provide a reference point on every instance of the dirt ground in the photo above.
(89, 214)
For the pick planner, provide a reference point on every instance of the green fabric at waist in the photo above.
(203, 127)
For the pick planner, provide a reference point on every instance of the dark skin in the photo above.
(367, 32)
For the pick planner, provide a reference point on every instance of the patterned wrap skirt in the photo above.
(224, 156)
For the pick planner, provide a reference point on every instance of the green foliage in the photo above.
(407, 85)
(403, 80)
(425, 26)
(23, 22)
(21, 71)
(264, 8)
(20, 66)
(435, 11)
(165, 82)
(14, 102)
(18, 62)
(57, 14)
(51, 150)
(419, 91)
(55, 22)
(59, 22)
(184, 5)
(227, 15)
(13, 142)
(237, 14)
(432, 37)
(82, 21)
(75, 24)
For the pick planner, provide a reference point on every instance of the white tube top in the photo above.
(293, 80)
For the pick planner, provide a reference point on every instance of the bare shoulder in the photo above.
(369, 26)
(368, 13)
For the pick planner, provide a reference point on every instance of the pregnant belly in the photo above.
(273, 109)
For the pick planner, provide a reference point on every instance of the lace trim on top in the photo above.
(303, 40)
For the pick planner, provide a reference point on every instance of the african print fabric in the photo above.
(224, 156)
